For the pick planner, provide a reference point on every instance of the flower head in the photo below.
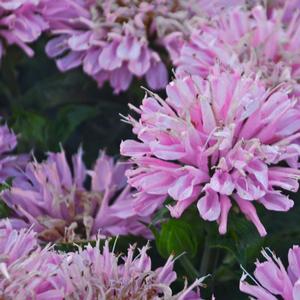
(251, 41)
(215, 142)
(21, 24)
(92, 274)
(53, 197)
(272, 279)
(29, 272)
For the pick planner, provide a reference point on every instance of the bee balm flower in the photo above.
(94, 274)
(217, 142)
(52, 196)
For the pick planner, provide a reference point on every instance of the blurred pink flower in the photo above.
(116, 40)
(9, 164)
(54, 199)
(216, 142)
(272, 279)
(252, 42)
(21, 24)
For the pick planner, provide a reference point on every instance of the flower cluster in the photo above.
(217, 141)
(272, 279)
(9, 164)
(28, 272)
(21, 23)
(54, 199)
(111, 39)
(116, 40)
(251, 41)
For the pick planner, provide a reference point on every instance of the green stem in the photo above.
(191, 271)
(205, 258)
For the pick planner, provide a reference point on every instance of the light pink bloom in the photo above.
(53, 197)
(26, 271)
(94, 274)
(216, 142)
(251, 41)
(272, 279)
(21, 24)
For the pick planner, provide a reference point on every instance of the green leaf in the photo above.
(4, 210)
(177, 236)
(31, 126)
(68, 119)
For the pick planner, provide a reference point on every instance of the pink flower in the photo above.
(272, 279)
(53, 197)
(26, 271)
(216, 142)
(9, 164)
(91, 274)
(21, 24)
(29, 272)
(115, 40)
(252, 41)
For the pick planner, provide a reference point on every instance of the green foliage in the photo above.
(176, 236)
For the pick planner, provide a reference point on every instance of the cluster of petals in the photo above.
(91, 274)
(272, 280)
(53, 198)
(218, 141)
(111, 39)
(9, 164)
(29, 272)
(21, 23)
(116, 40)
(257, 40)
(26, 270)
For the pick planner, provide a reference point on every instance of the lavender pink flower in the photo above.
(216, 142)
(251, 41)
(52, 196)
(21, 24)
(29, 272)
(271, 278)
(93, 274)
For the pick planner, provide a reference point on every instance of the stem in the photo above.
(205, 258)
(191, 271)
